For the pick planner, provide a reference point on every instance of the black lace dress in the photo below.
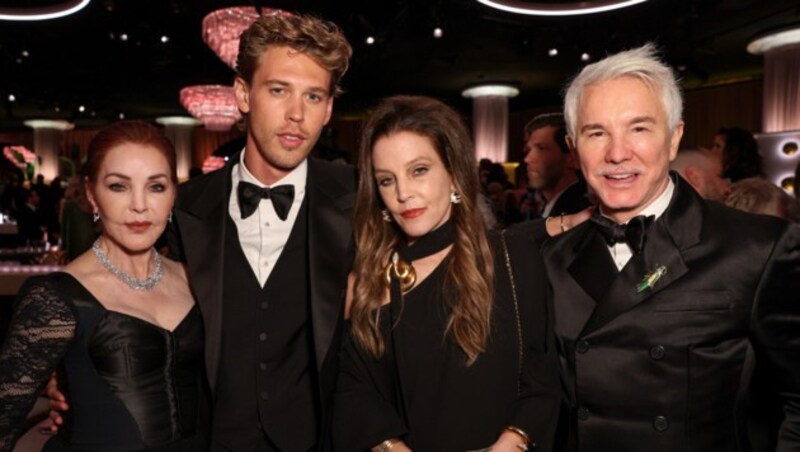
(131, 385)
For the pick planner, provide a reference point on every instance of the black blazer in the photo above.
(707, 359)
(573, 200)
(197, 233)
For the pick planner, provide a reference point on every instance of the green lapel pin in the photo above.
(651, 278)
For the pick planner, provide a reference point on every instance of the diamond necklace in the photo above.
(134, 283)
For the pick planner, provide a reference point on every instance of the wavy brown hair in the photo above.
(468, 284)
(320, 39)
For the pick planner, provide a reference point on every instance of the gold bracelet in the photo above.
(526, 441)
(387, 445)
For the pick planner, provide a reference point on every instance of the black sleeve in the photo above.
(42, 327)
(363, 411)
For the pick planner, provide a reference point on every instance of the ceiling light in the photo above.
(437, 32)
(165, 39)
(12, 98)
(370, 40)
(214, 105)
(585, 56)
(25, 53)
(43, 13)
(561, 9)
(58, 124)
(773, 40)
(81, 108)
(177, 121)
(123, 37)
(491, 90)
(222, 28)
(121, 116)
(552, 52)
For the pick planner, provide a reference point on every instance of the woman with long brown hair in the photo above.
(450, 349)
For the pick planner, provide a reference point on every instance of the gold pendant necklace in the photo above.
(403, 271)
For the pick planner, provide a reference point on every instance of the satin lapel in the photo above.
(201, 221)
(330, 242)
(593, 268)
(572, 265)
(678, 229)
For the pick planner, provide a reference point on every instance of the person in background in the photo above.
(703, 172)
(120, 318)
(738, 149)
(552, 169)
(77, 225)
(757, 195)
(677, 320)
(448, 351)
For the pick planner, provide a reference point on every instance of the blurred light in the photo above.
(563, 9)
(123, 37)
(81, 108)
(437, 32)
(773, 40)
(165, 39)
(585, 57)
(552, 52)
(43, 13)
(25, 53)
(12, 98)
(121, 116)
(370, 40)
(491, 90)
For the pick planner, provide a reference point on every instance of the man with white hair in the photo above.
(677, 321)
(703, 172)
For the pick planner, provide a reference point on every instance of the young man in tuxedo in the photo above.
(268, 244)
(677, 320)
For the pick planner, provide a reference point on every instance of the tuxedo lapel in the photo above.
(329, 243)
(678, 229)
(201, 222)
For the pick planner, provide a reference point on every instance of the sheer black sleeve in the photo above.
(42, 327)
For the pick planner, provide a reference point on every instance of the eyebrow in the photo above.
(123, 176)
(314, 89)
(411, 163)
(636, 120)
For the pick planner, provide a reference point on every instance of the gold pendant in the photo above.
(403, 271)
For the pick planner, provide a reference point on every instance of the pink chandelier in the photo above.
(214, 105)
(222, 28)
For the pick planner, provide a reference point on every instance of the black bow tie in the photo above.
(249, 195)
(632, 233)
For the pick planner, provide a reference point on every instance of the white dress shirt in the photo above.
(263, 234)
(621, 252)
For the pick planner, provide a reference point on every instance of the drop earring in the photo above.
(455, 198)
(95, 216)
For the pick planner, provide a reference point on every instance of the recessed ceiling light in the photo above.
(585, 56)
(12, 98)
(81, 108)
(165, 39)
(370, 40)
(491, 90)
(121, 116)
(437, 32)
(552, 52)
(43, 13)
(560, 9)
(773, 40)
(25, 53)
(123, 37)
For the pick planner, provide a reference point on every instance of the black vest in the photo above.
(266, 397)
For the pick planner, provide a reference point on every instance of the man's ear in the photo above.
(241, 90)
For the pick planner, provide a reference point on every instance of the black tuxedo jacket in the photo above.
(705, 359)
(573, 200)
(197, 234)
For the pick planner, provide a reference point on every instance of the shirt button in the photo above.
(582, 346)
(262, 337)
(264, 305)
(264, 395)
(660, 423)
(262, 365)
(266, 224)
(583, 413)
(657, 352)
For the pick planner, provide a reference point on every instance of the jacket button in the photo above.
(582, 346)
(660, 423)
(583, 413)
(264, 395)
(264, 305)
(262, 337)
(657, 352)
